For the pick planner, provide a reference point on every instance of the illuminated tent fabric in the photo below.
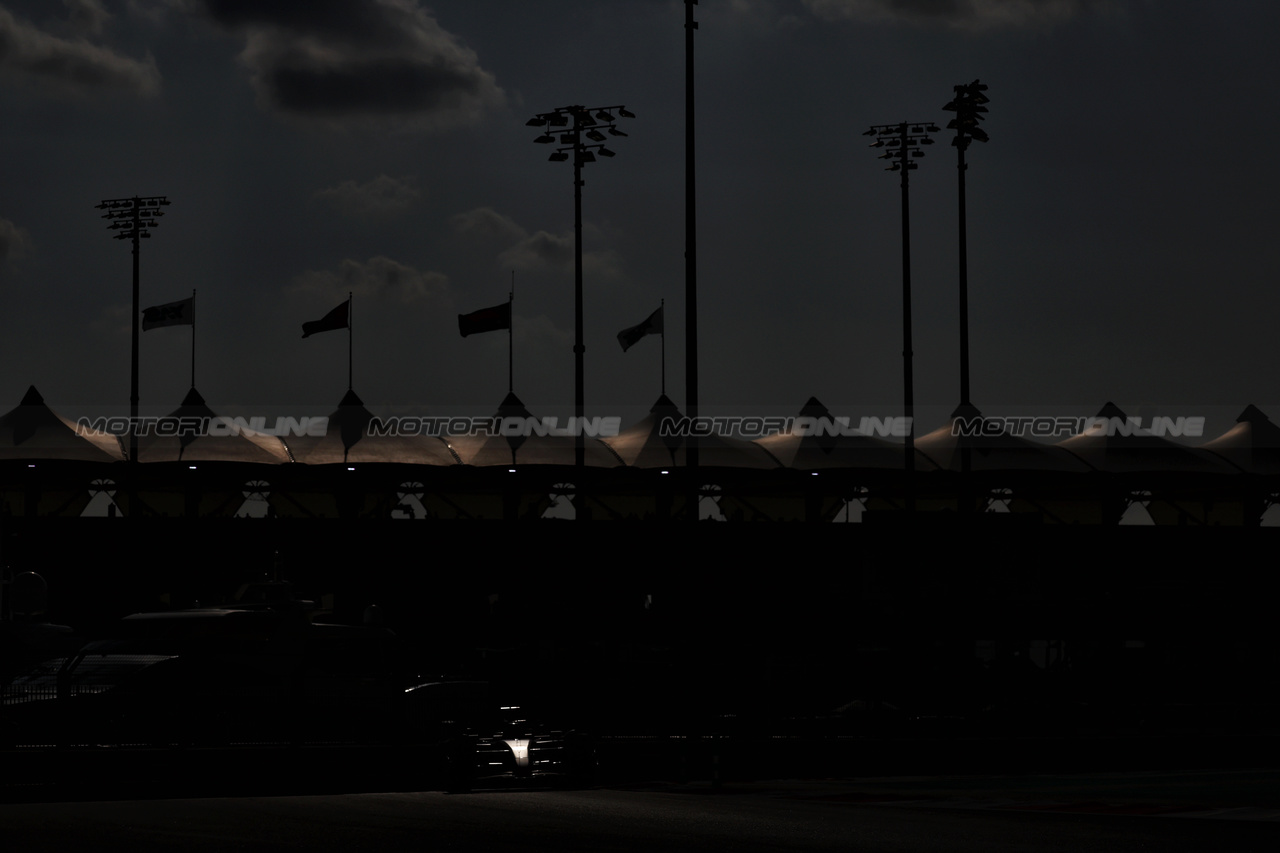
(1252, 445)
(203, 473)
(819, 449)
(322, 487)
(643, 446)
(241, 446)
(1183, 485)
(33, 431)
(722, 462)
(990, 453)
(1139, 452)
(47, 463)
(347, 440)
(496, 450)
(1030, 477)
(860, 462)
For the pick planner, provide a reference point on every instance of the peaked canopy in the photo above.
(643, 446)
(347, 440)
(1252, 445)
(1003, 452)
(817, 448)
(33, 431)
(1109, 450)
(240, 446)
(493, 450)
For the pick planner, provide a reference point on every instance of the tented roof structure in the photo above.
(817, 449)
(347, 440)
(990, 453)
(240, 446)
(494, 450)
(1140, 452)
(1252, 445)
(33, 431)
(642, 445)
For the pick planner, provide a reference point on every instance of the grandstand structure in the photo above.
(356, 466)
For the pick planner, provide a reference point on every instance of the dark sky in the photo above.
(1122, 219)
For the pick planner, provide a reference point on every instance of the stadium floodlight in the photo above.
(969, 105)
(592, 123)
(902, 143)
(130, 219)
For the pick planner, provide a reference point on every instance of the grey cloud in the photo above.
(357, 59)
(540, 249)
(383, 195)
(15, 242)
(526, 251)
(73, 63)
(87, 17)
(369, 21)
(379, 276)
(541, 332)
(486, 225)
(966, 14)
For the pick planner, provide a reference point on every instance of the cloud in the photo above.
(381, 196)
(530, 251)
(343, 59)
(113, 321)
(376, 277)
(486, 226)
(87, 18)
(539, 249)
(540, 332)
(72, 63)
(963, 14)
(15, 242)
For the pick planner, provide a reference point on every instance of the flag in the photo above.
(651, 326)
(485, 320)
(335, 319)
(181, 313)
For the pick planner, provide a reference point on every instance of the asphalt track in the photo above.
(934, 814)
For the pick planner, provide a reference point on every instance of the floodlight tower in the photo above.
(903, 146)
(968, 105)
(591, 123)
(130, 219)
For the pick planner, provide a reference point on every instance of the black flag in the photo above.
(652, 326)
(335, 319)
(485, 320)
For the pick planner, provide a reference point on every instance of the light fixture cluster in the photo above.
(131, 217)
(567, 126)
(902, 142)
(968, 105)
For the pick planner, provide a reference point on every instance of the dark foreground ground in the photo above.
(710, 764)
(853, 815)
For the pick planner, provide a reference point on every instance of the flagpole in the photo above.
(350, 360)
(193, 337)
(511, 317)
